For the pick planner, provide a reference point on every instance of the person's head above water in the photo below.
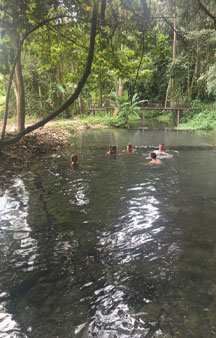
(129, 147)
(154, 159)
(112, 150)
(74, 159)
(161, 147)
(161, 151)
(153, 156)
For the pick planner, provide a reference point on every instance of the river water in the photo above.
(112, 248)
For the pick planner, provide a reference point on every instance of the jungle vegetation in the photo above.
(61, 57)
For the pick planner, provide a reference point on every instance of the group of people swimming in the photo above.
(129, 149)
(161, 153)
(112, 149)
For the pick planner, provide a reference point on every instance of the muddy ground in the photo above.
(17, 157)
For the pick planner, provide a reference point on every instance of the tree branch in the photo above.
(4, 10)
(171, 26)
(65, 37)
(141, 59)
(206, 11)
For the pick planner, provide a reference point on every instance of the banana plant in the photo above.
(127, 107)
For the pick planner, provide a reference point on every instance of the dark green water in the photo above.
(112, 248)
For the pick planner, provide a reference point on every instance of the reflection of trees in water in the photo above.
(18, 253)
(196, 269)
(66, 256)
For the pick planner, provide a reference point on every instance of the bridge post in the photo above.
(143, 118)
(178, 117)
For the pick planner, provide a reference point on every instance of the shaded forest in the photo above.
(60, 58)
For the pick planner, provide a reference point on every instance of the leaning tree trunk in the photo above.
(20, 97)
(167, 93)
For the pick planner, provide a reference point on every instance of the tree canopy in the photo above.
(53, 52)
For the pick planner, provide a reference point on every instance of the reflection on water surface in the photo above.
(112, 248)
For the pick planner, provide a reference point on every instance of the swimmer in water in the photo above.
(74, 159)
(129, 149)
(112, 150)
(154, 160)
(161, 151)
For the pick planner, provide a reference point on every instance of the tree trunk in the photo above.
(167, 93)
(40, 97)
(194, 77)
(116, 111)
(20, 98)
(120, 93)
(188, 76)
(100, 91)
(174, 58)
(207, 61)
(59, 77)
(15, 90)
(80, 100)
(120, 89)
(201, 73)
(81, 105)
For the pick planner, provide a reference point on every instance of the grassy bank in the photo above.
(204, 120)
(201, 118)
(78, 123)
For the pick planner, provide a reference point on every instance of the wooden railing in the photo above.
(92, 111)
(176, 109)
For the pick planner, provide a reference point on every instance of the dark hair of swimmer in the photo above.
(153, 156)
(112, 149)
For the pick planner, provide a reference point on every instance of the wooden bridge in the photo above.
(92, 111)
(174, 109)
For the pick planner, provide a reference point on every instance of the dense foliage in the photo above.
(134, 54)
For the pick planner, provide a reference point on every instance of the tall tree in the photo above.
(17, 17)
(77, 90)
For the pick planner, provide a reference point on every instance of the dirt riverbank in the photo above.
(17, 157)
